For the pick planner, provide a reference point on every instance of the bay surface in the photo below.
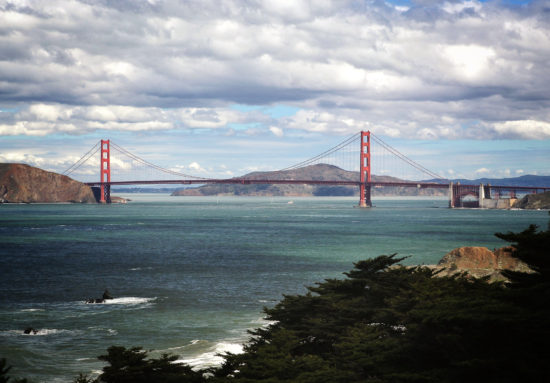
(190, 275)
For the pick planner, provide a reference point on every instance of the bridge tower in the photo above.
(364, 169)
(105, 172)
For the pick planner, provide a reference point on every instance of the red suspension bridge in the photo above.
(357, 153)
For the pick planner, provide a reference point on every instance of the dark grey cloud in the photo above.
(431, 67)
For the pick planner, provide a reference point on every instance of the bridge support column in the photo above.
(451, 195)
(487, 191)
(481, 198)
(364, 170)
(105, 172)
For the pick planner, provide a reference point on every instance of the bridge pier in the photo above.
(481, 198)
(364, 197)
(364, 170)
(105, 172)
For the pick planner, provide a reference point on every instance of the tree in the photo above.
(132, 366)
(4, 369)
(389, 323)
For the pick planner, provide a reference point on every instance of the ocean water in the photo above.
(190, 275)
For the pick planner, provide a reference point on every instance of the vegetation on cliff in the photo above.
(23, 183)
(388, 323)
(534, 201)
(319, 172)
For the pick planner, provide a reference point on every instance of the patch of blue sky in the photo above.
(9, 110)
(243, 126)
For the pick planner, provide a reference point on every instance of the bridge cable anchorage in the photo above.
(348, 141)
(83, 159)
(403, 157)
(147, 163)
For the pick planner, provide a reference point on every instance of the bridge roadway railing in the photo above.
(456, 191)
(246, 181)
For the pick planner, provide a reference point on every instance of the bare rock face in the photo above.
(24, 183)
(534, 201)
(481, 262)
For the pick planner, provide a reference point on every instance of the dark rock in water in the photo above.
(30, 330)
(95, 300)
(107, 295)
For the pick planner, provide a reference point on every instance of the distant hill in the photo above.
(142, 190)
(526, 180)
(24, 183)
(320, 172)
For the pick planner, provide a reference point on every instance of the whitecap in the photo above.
(43, 332)
(128, 301)
(109, 331)
(32, 310)
(212, 357)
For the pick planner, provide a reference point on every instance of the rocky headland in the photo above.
(534, 201)
(20, 183)
(479, 262)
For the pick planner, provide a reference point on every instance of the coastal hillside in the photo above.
(20, 183)
(534, 201)
(526, 180)
(320, 172)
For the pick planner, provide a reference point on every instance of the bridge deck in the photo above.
(246, 181)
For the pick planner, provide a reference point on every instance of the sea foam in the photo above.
(128, 301)
(212, 357)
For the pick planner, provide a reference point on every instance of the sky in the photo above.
(222, 88)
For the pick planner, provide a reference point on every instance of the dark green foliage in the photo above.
(4, 369)
(387, 323)
(132, 366)
(83, 378)
(533, 248)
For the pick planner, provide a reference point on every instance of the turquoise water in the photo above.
(191, 275)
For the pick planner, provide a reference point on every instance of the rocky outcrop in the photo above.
(534, 201)
(480, 262)
(20, 183)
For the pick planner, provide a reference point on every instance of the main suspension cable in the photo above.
(407, 159)
(326, 153)
(82, 159)
(147, 163)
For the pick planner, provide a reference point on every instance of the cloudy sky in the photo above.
(220, 88)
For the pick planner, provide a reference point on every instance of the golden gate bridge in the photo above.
(357, 153)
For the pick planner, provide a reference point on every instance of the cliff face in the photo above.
(480, 262)
(534, 201)
(24, 183)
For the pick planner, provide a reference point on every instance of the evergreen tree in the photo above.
(132, 366)
(388, 323)
(4, 369)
